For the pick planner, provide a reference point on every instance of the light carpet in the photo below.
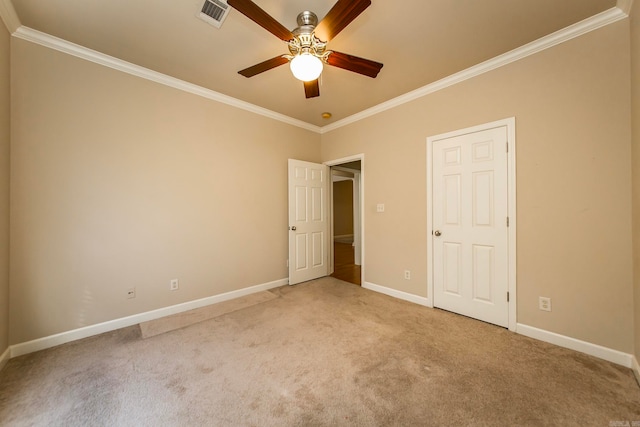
(188, 318)
(321, 353)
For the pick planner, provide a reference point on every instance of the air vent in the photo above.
(214, 12)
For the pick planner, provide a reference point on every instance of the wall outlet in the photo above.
(131, 293)
(173, 285)
(407, 274)
(544, 303)
(380, 207)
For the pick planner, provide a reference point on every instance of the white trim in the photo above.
(5, 358)
(597, 21)
(595, 350)
(513, 222)
(578, 29)
(337, 162)
(46, 40)
(9, 15)
(510, 124)
(331, 256)
(87, 331)
(429, 222)
(608, 354)
(398, 294)
(636, 368)
(347, 159)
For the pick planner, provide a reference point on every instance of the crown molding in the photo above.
(9, 15)
(602, 19)
(46, 40)
(597, 21)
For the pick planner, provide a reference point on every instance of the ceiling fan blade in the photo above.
(262, 18)
(340, 15)
(264, 66)
(355, 64)
(311, 89)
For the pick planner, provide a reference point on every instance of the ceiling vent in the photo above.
(214, 12)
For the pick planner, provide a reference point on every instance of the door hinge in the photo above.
(507, 221)
(507, 296)
(507, 146)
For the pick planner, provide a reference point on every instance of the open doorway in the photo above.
(346, 221)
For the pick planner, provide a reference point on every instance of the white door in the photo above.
(308, 224)
(470, 234)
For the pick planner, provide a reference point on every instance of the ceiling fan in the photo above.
(308, 42)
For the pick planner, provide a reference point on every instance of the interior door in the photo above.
(470, 235)
(308, 221)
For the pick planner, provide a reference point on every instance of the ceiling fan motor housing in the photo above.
(307, 18)
(305, 40)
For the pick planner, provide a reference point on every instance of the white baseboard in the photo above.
(87, 331)
(398, 294)
(5, 358)
(615, 356)
(595, 350)
(636, 369)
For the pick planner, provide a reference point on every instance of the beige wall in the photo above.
(635, 127)
(4, 187)
(118, 182)
(572, 111)
(342, 208)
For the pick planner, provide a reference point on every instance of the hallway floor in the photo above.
(344, 263)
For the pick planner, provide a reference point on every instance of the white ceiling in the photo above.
(418, 41)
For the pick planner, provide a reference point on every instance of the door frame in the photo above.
(360, 227)
(510, 124)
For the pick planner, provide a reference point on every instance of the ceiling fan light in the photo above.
(306, 67)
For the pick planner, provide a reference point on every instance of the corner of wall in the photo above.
(4, 358)
(9, 16)
(636, 369)
(4, 190)
(634, 23)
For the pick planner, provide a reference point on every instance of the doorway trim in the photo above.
(360, 230)
(510, 124)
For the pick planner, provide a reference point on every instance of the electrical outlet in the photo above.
(407, 274)
(544, 303)
(131, 293)
(380, 207)
(173, 285)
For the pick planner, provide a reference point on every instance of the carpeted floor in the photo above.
(321, 353)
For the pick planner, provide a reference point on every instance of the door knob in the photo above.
(437, 233)
(293, 228)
